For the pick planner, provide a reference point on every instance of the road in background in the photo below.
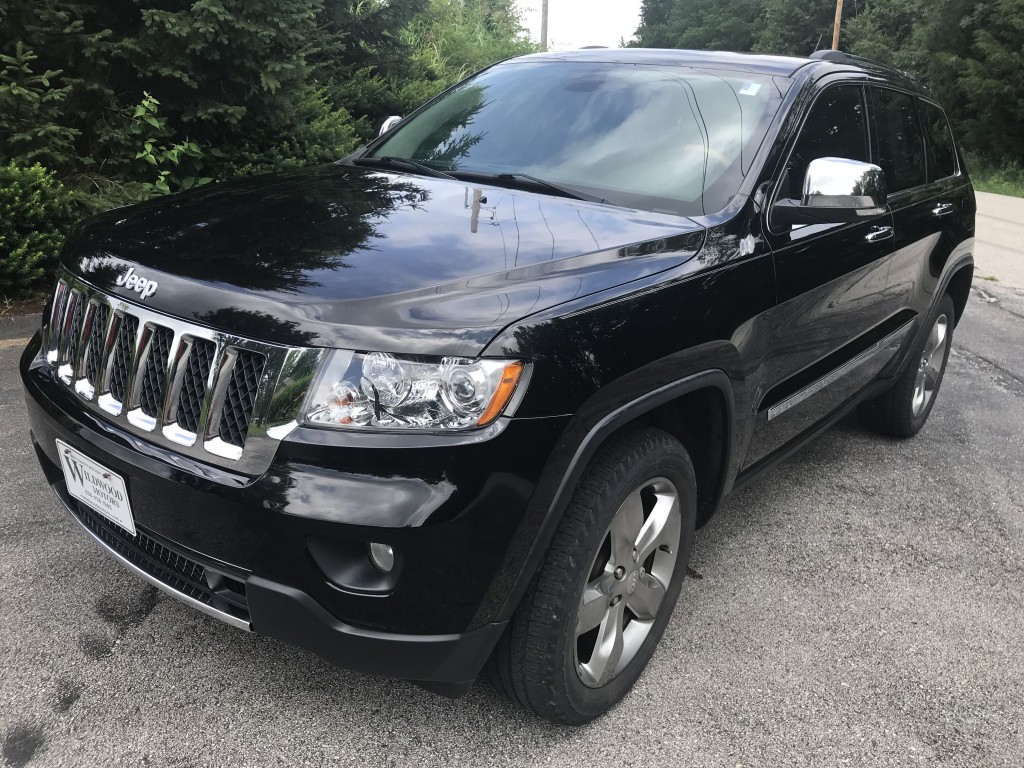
(862, 604)
(999, 252)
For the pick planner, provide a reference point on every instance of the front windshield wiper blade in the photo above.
(576, 194)
(402, 162)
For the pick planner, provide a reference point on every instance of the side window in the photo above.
(835, 127)
(900, 143)
(941, 154)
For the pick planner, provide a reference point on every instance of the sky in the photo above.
(575, 23)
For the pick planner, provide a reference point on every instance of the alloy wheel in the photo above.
(929, 369)
(628, 581)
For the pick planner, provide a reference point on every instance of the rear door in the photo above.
(831, 279)
(932, 202)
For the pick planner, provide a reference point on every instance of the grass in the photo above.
(1000, 181)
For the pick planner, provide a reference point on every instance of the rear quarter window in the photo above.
(942, 161)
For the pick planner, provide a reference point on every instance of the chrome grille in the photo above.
(97, 342)
(245, 379)
(124, 345)
(73, 329)
(154, 371)
(193, 384)
(197, 391)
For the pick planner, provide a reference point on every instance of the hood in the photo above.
(354, 258)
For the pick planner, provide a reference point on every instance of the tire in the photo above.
(903, 410)
(540, 661)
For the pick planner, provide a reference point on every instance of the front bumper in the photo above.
(239, 548)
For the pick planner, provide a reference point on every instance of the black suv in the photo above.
(461, 400)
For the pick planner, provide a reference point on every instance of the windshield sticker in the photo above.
(750, 89)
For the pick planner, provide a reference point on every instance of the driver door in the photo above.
(831, 311)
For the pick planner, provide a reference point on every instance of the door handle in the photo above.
(943, 209)
(879, 234)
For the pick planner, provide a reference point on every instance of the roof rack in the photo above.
(841, 57)
(849, 58)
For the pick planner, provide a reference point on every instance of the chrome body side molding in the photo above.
(890, 344)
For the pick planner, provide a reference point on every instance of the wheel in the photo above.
(598, 606)
(903, 410)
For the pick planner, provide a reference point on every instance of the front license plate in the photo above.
(96, 486)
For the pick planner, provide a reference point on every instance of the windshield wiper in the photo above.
(536, 181)
(401, 162)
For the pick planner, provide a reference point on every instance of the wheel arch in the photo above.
(700, 419)
(668, 408)
(958, 286)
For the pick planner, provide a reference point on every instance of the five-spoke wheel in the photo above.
(929, 370)
(628, 581)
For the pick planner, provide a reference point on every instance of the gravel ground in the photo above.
(860, 605)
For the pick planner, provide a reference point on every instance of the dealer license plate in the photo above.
(96, 486)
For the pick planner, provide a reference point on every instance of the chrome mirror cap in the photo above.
(834, 182)
(390, 123)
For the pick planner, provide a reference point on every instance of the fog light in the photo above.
(382, 556)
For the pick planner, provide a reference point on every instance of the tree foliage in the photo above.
(122, 99)
(970, 53)
(716, 25)
(262, 81)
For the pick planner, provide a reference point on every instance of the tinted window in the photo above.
(835, 127)
(660, 138)
(941, 154)
(900, 144)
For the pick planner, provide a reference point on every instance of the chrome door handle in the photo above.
(944, 209)
(878, 234)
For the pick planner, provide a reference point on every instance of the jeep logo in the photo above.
(145, 288)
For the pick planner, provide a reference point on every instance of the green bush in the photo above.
(173, 167)
(35, 214)
(1007, 179)
(324, 134)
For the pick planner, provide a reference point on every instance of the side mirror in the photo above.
(390, 123)
(836, 191)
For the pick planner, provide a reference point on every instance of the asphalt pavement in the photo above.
(997, 254)
(860, 605)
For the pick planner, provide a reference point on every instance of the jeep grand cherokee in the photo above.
(461, 400)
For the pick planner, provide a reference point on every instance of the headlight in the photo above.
(378, 390)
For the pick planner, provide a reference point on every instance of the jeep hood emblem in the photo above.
(133, 282)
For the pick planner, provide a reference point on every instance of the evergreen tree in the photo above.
(796, 27)
(717, 25)
(653, 31)
(991, 83)
(227, 73)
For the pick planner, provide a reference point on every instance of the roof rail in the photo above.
(830, 55)
(841, 57)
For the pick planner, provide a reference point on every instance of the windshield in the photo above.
(660, 138)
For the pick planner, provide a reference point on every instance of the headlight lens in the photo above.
(377, 390)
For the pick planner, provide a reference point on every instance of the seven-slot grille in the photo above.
(170, 380)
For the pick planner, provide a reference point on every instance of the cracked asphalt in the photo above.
(859, 605)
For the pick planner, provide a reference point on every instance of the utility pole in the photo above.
(544, 25)
(839, 23)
